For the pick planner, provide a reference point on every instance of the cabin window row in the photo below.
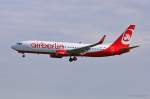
(91, 48)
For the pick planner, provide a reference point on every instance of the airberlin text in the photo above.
(47, 45)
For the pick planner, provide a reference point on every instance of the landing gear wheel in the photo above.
(75, 58)
(23, 55)
(72, 59)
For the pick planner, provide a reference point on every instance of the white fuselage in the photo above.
(52, 47)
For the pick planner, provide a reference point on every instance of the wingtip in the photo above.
(102, 40)
(104, 36)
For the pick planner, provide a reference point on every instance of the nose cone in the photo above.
(13, 47)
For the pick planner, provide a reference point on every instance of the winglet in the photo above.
(102, 39)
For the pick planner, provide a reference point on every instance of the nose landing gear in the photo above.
(23, 55)
(72, 59)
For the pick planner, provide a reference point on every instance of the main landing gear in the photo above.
(71, 59)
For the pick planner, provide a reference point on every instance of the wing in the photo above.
(85, 48)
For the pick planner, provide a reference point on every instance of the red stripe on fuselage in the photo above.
(106, 52)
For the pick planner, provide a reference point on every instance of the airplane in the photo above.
(74, 50)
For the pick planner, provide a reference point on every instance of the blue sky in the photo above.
(38, 76)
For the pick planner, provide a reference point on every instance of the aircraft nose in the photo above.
(13, 47)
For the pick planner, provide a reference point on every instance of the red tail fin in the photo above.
(124, 39)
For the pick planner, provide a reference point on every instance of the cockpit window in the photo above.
(19, 43)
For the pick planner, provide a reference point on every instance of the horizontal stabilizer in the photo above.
(128, 49)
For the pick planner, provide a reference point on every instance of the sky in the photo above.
(41, 77)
